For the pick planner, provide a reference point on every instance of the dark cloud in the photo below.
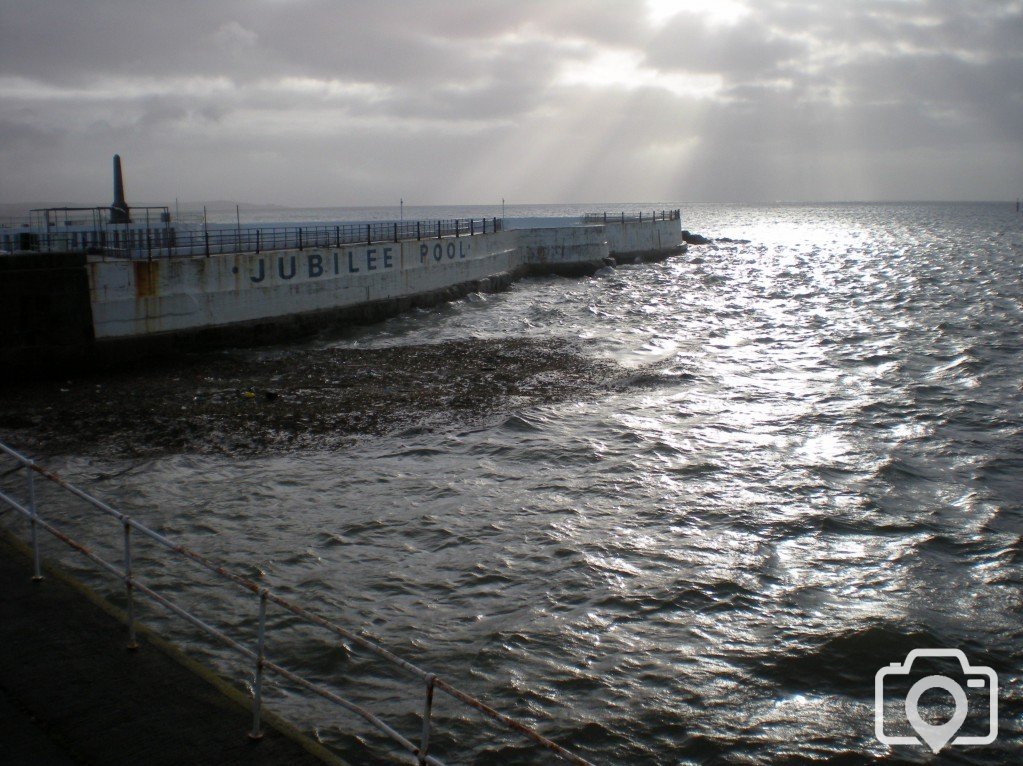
(329, 102)
(412, 41)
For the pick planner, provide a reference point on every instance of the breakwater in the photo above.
(166, 302)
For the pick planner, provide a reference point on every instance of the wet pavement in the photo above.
(71, 693)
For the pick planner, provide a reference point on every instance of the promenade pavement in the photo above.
(71, 694)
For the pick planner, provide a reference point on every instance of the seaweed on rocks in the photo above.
(252, 402)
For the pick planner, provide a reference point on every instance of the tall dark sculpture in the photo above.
(119, 211)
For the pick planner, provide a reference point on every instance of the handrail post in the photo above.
(424, 742)
(369, 234)
(37, 572)
(129, 586)
(257, 692)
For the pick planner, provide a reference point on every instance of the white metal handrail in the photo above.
(419, 753)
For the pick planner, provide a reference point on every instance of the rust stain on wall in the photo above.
(146, 275)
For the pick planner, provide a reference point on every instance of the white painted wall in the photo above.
(639, 236)
(568, 244)
(131, 298)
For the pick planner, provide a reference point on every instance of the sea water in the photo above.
(816, 466)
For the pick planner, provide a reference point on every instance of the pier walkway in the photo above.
(72, 694)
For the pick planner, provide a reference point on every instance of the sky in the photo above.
(344, 102)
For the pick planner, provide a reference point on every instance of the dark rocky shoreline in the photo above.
(245, 402)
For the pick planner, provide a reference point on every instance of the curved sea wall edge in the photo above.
(63, 311)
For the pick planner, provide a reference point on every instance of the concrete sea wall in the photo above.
(143, 298)
(641, 238)
(45, 311)
(138, 307)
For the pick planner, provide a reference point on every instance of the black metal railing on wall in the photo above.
(139, 243)
(638, 217)
(132, 241)
(255, 240)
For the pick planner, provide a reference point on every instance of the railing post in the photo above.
(438, 229)
(257, 692)
(419, 233)
(299, 237)
(37, 572)
(395, 231)
(369, 234)
(424, 743)
(337, 236)
(129, 586)
(258, 233)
